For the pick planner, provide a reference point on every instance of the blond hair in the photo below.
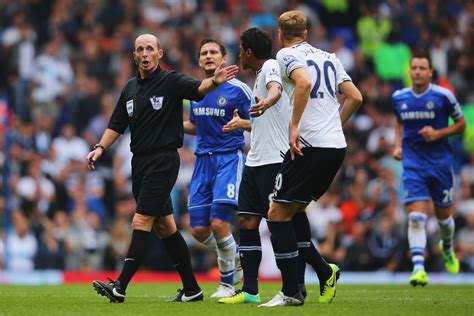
(292, 24)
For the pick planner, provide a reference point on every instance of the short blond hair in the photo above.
(292, 24)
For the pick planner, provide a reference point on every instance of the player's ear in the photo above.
(225, 58)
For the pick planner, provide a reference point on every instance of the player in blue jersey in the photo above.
(422, 129)
(218, 121)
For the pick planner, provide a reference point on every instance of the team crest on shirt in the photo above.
(156, 102)
(221, 101)
(430, 105)
(129, 105)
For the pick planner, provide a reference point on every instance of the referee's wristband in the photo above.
(98, 145)
(214, 82)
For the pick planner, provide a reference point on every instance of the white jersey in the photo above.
(269, 136)
(320, 125)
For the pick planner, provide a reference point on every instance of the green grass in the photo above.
(148, 299)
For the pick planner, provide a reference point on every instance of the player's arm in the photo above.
(397, 150)
(221, 75)
(430, 134)
(302, 90)
(352, 102)
(261, 105)
(189, 127)
(236, 123)
(108, 138)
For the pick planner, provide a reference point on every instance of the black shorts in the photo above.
(309, 176)
(256, 189)
(153, 177)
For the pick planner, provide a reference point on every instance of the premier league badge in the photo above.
(156, 102)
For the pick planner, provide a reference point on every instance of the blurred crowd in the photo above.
(63, 64)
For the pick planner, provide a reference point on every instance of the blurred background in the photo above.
(63, 64)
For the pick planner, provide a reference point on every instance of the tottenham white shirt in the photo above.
(269, 136)
(320, 125)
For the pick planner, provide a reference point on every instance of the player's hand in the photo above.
(429, 134)
(259, 107)
(295, 146)
(92, 157)
(397, 153)
(223, 74)
(233, 124)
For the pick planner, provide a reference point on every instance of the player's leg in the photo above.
(179, 254)
(251, 256)
(441, 189)
(228, 173)
(256, 190)
(417, 199)
(200, 200)
(325, 165)
(417, 241)
(284, 244)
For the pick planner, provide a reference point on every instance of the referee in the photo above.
(151, 105)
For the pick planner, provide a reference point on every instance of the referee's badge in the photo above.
(156, 102)
(221, 101)
(130, 108)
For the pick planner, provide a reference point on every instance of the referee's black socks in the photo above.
(179, 253)
(135, 255)
(286, 254)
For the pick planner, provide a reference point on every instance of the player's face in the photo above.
(147, 53)
(210, 57)
(420, 71)
(243, 55)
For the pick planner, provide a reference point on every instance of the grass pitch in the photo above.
(149, 299)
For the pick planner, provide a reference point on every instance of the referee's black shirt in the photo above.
(153, 107)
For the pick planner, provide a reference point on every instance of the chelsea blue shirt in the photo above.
(432, 108)
(214, 111)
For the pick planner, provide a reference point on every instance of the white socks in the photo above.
(226, 249)
(446, 229)
(417, 239)
(211, 242)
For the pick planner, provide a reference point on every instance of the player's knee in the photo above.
(142, 222)
(220, 227)
(279, 214)
(200, 233)
(416, 220)
(249, 222)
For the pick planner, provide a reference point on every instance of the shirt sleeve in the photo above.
(394, 105)
(187, 87)
(289, 62)
(453, 106)
(272, 72)
(245, 95)
(120, 119)
(341, 74)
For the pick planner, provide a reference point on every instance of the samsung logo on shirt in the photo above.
(209, 112)
(418, 115)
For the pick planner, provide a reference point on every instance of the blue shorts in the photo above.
(214, 188)
(434, 183)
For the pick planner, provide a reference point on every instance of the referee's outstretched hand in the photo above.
(92, 157)
(223, 74)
